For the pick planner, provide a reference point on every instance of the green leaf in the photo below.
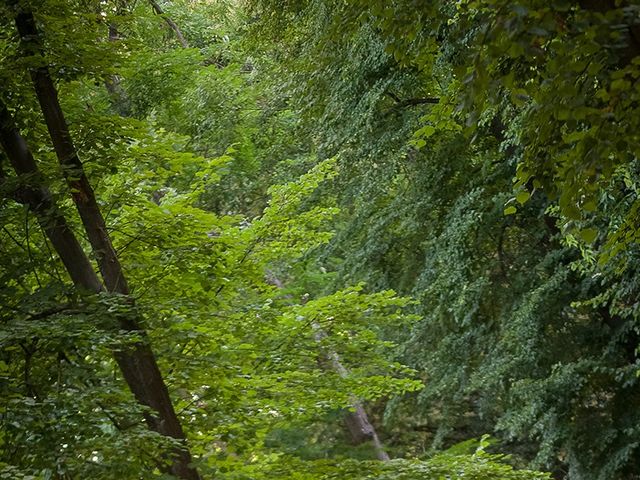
(589, 235)
(522, 197)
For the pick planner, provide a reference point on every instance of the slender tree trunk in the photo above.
(172, 25)
(357, 422)
(112, 83)
(72, 169)
(38, 198)
(138, 363)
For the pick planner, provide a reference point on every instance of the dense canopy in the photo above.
(319, 239)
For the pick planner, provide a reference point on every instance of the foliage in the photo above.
(270, 189)
(506, 208)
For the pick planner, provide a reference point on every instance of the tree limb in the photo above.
(158, 9)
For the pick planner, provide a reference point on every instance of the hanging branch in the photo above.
(410, 102)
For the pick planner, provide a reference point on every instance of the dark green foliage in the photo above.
(270, 188)
(529, 318)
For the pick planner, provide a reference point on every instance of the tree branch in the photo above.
(410, 102)
(171, 23)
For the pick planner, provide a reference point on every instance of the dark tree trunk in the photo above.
(138, 363)
(82, 192)
(38, 198)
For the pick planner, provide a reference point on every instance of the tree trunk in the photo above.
(138, 363)
(112, 83)
(72, 169)
(38, 198)
(357, 422)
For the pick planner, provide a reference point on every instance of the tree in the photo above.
(137, 362)
(193, 186)
(527, 311)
